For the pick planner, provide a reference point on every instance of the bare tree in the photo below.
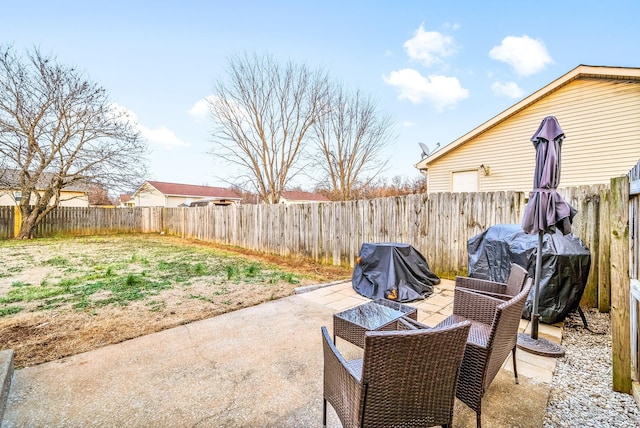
(59, 130)
(398, 186)
(350, 138)
(383, 187)
(98, 196)
(262, 115)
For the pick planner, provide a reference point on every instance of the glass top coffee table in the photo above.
(377, 315)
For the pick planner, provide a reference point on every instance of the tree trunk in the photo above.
(28, 224)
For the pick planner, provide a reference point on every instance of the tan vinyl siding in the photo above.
(601, 121)
(175, 201)
(73, 199)
(148, 196)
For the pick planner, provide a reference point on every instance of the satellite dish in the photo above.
(425, 150)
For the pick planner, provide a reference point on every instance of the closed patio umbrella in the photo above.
(545, 212)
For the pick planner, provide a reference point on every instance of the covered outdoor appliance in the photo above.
(393, 271)
(565, 266)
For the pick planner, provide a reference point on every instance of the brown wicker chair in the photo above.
(504, 291)
(493, 335)
(406, 378)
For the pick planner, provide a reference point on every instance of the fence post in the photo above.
(604, 252)
(17, 220)
(620, 285)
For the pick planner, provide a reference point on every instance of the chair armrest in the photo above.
(406, 323)
(475, 306)
(481, 285)
(338, 373)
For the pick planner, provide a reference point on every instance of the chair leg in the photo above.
(324, 412)
(478, 421)
(515, 369)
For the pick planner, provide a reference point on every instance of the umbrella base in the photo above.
(539, 346)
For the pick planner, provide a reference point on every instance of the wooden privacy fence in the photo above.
(75, 221)
(437, 224)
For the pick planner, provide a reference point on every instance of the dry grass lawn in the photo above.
(60, 297)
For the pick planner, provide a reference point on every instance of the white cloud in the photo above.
(124, 114)
(408, 124)
(429, 47)
(526, 55)
(160, 136)
(441, 91)
(201, 108)
(509, 89)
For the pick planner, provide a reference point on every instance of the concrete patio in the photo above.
(256, 367)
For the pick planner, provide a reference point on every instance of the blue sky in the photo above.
(439, 68)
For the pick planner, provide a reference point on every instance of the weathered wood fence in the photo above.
(7, 222)
(625, 304)
(437, 224)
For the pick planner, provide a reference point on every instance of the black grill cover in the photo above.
(393, 271)
(565, 266)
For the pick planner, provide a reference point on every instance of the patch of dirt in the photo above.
(41, 335)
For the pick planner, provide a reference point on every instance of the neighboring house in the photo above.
(10, 195)
(125, 201)
(300, 197)
(170, 195)
(598, 109)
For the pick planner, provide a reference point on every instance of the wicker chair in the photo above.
(493, 335)
(504, 291)
(406, 378)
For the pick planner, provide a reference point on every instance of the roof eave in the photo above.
(581, 71)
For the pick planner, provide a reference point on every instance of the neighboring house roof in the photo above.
(190, 190)
(298, 195)
(580, 72)
(9, 179)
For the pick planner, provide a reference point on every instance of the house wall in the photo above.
(601, 122)
(74, 199)
(6, 199)
(174, 201)
(148, 196)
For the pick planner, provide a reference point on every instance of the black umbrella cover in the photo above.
(547, 210)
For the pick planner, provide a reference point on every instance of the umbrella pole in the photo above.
(535, 316)
(534, 344)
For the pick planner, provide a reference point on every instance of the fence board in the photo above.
(604, 250)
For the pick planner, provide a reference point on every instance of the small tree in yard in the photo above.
(349, 140)
(58, 130)
(262, 115)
